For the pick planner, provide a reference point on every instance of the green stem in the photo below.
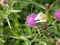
(8, 22)
(54, 22)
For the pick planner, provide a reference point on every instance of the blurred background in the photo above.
(13, 29)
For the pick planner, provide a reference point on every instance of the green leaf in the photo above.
(15, 10)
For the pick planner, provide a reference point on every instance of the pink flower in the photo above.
(57, 15)
(3, 1)
(30, 20)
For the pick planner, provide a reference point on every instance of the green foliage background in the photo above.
(14, 31)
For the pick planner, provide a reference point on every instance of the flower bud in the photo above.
(44, 26)
(3, 2)
(58, 42)
(58, 2)
(49, 34)
(53, 40)
(47, 5)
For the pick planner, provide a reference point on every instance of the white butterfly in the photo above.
(40, 18)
